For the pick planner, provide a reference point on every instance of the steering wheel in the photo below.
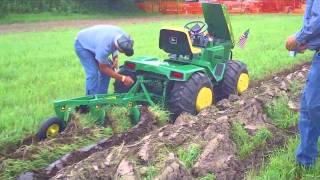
(196, 27)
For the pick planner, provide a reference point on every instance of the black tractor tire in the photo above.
(42, 133)
(119, 87)
(183, 95)
(228, 85)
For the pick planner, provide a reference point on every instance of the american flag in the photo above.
(243, 39)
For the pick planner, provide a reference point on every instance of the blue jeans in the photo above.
(309, 122)
(96, 81)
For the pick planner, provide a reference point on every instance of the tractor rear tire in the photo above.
(235, 81)
(51, 128)
(190, 96)
(119, 87)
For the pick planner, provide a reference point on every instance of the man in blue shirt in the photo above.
(309, 123)
(93, 46)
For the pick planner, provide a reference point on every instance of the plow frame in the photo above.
(98, 105)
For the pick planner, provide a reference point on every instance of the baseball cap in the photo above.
(125, 43)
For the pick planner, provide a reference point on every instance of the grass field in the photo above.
(38, 67)
(282, 165)
(51, 16)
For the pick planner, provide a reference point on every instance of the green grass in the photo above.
(282, 166)
(161, 114)
(209, 176)
(281, 163)
(151, 172)
(37, 68)
(246, 143)
(13, 167)
(52, 16)
(189, 155)
(280, 114)
(42, 156)
(120, 118)
(295, 88)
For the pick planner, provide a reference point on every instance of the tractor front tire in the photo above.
(235, 81)
(119, 87)
(50, 128)
(191, 96)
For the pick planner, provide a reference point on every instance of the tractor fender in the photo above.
(174, 71)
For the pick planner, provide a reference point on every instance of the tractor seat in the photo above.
(177, 41)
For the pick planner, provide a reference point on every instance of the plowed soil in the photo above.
(130, 155)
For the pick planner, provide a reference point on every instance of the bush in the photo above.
(3, 8)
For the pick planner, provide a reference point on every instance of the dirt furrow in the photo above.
(159, 154)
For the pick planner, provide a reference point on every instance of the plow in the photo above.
(198, 72)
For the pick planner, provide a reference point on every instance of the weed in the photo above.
(245, 143)
(295, 88)
(239, 134)
(190, 155)
(120, 119)
(162, 156)
(107, 131)
(261, 136)
(88, 120)
(209, 176)
(280, 113)
(160, 114)
(151, 172)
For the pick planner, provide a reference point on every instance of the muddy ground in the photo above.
(153, 153)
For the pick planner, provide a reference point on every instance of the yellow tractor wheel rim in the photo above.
(204, 98)
(53, 130)
(243, 83)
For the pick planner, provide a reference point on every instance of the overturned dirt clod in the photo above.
(154, 153)
(146, 125)
(173, 170)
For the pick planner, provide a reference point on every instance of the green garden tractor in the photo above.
(198, 72)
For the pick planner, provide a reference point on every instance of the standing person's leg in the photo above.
(309, 122)
(91, 68)
(103, 83)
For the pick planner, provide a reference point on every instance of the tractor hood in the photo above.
(218, 21)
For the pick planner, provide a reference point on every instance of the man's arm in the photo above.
(115, 62)
(127, 80)
(104, 68)
(115, 59)
(311, 26)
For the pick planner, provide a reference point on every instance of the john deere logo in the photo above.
(173, 40)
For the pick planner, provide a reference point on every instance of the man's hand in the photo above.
(128, 81)
(115, 64)
(293, 45)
